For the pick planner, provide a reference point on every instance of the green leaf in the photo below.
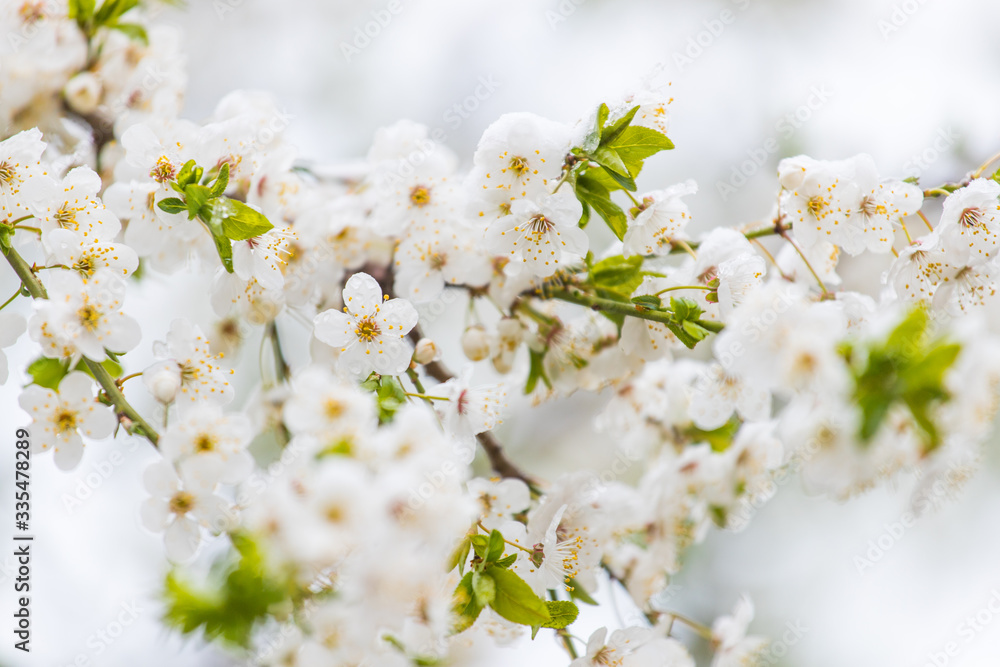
(243, 222)
(221, 181)
(496, 546)
(507, 561)
(623, 182)
(187, 174)
(239, 595)
(481, 544)
(593, 193)
(618, 272)
(133, 31)
(609, 159)
(719, 439)
(515, 600)
(464, 605)
(613, 131)
(562, 613)
(578, 592)
(113, 368)
(636, 143)
(593, 139)
(172, 205)
(112, 9)
(225, 249)
(47, 372)
(197, 196)
(536, 371)
(648, 300)
(81, 10)
(459, 555)
(685, 308)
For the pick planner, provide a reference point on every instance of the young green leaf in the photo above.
(244, 223)
(47, 372)
(613, 131)
(465, 608)
(496, 546)
(514, 599)
(561, 614)
(172, 205)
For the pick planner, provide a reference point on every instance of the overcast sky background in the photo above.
(915, 84)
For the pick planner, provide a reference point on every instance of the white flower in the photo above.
(83, 316)
(23, 181)
(77, 207)
(737, 278)
(179, 508)
(717, 393)
(819, 199)
(499, 500)
(207, 445)
(60, 418)
(188, 366)
(658, 221)
(371, 332)
(11, 328)
(87, 254)
(435, 252)
(263, 257)
(518, 157)
(734, 647)
(539, 236)
(633, 647)
(326, 407)
(470, 410)
(970, 222)
(882, 204)
(920, 268)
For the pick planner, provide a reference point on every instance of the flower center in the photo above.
(971, 217)
(438, 261)
(163, 171)
(89, 317)
(869, 207)
(65, 217)
(333, 408)
(205, 442)
(335, 513)
(816, 206)
(85, 265)
(519, 166)
(539, 224)
(65, 420)
(420, 196)
(32, 12)
(181, 503)
(367, 329)
(7, 173)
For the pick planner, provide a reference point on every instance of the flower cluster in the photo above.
(338, 469)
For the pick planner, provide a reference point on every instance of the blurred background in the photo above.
(915, 83)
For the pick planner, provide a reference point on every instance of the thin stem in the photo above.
(567, 638)
(415, 379)
(770, 257)
(700, 628)
(114, 394)
(680, 287)
(122, 380)
(513, 544)
(12, 297)
(36, 230)
(686, 247)
(634, 200)
(281, 370)
(926, 221)
(979, 172)
(14, 223)
(426, 397)
(819, 280)
(117, 398)
(909, 239)
(627, 309)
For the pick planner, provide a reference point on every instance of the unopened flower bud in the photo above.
(83, 92)
(476, 343)
(163, 383)
(425, 352)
